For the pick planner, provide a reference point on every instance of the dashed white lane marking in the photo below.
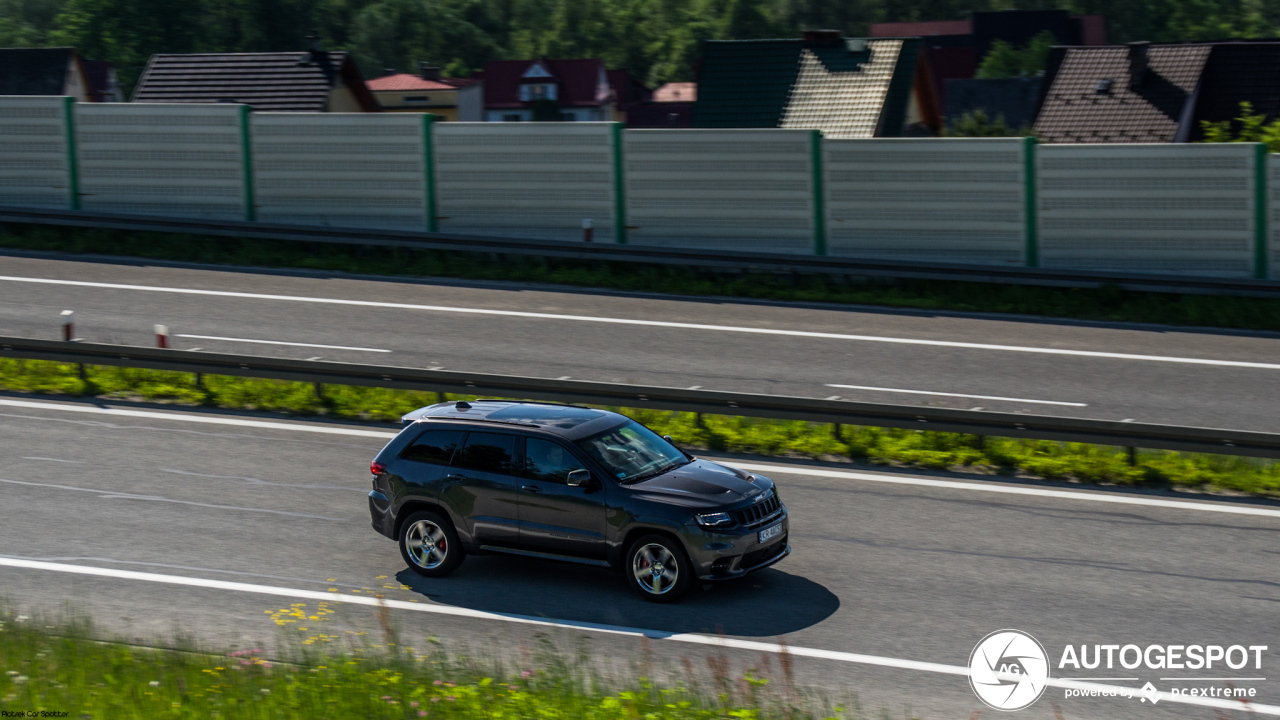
(113, 495)
(690, 638)
(45, 459)
(754, 467)
(1008, 490)
(649, 323)
(959, 395)
(281, 342)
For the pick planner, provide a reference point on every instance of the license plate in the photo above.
(769, 533)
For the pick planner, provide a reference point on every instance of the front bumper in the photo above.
(727, 555)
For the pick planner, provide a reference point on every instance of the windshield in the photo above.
(632, 451)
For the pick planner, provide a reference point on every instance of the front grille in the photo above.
(752, 559)
(759, 512)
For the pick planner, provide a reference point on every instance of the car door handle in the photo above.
(531, 488)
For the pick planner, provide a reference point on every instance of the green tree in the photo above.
(129, 32)
(977, 124)
(1249, 127)
(27, 23)
(1003, 60)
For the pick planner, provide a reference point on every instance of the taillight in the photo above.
(377, 468)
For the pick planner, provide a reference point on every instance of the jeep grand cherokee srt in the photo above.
(570, 483)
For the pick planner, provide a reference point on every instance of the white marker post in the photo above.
(586, 230)
(162, 336)
(68, 325)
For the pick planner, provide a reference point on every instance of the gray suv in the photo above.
(569, 483)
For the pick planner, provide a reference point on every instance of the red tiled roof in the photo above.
(406, 81)
(676, 92)
(922, 29)
(578, 80)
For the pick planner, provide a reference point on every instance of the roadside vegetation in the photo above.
(1073, 462)
(1109, 303)
(65, 666)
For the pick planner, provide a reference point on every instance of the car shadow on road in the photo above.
(767, 603)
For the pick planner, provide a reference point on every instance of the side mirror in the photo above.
(668, 439)
(579, 478)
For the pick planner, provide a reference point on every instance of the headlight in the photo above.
(711, 520)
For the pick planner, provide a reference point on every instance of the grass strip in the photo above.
(1108, 303)
(1078, 462)
(64, 668)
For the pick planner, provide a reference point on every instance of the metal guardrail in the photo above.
(1102, 432)
(688, 257)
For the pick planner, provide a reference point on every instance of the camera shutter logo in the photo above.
(1008, 670)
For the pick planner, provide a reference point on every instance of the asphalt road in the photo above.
(1000, 363)
(900, 571)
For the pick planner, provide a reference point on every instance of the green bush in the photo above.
(719, 433)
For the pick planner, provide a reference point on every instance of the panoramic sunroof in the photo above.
(546, 415)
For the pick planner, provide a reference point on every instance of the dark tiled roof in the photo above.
(283, 82)
(34, 71)
(578, 80)
(745, 83)
(1246, 71)
(1073, 111)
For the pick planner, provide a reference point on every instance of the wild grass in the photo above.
(1077, 462)
(1108, 303)
(66, 666)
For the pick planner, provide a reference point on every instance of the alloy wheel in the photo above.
(427, 544)
(655, 569)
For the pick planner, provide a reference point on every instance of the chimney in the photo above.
(1137, 63)
(428, 71)
(822, 38)
(317, 55)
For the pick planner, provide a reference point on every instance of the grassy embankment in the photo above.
(1104, 304)
(66, 667)
(936, 450)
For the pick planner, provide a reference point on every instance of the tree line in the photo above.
(657, 40)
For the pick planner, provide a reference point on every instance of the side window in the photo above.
(433, 446)
(548, 461)
(488, 452)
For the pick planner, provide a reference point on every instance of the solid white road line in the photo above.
(1008, 490)
(959, 395)
(196, 418)
(280, 342)
(651, 323)
(753, 467)
(691, 638)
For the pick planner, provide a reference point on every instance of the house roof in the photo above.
(282, 82)
(34, 71)
(674, 92)
(1074, 110)
(627, 90)
(929, 27)
(578, 80)
(1235, 72)
(407, 81)
(843, 86)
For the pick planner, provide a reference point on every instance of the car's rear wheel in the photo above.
(429, 544)
(658, 569)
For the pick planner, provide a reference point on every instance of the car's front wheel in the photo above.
(658, 569)
(429, 544)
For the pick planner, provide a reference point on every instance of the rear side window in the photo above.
(548, 461)
(488, 452)
(433, 446)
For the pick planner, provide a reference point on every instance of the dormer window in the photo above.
(537, 91)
